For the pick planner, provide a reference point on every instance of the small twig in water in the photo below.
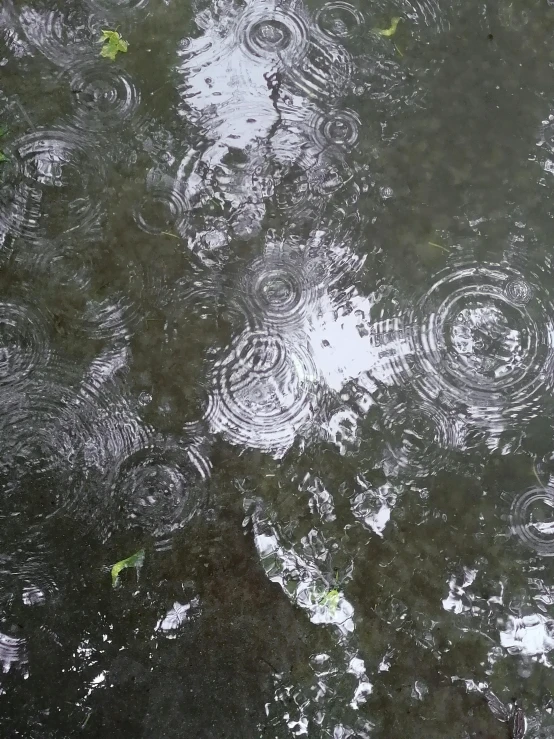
(84, 725)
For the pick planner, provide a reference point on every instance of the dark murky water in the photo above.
(277, 313)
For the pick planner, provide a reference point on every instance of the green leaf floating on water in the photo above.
(135, 560)
(113, 44)
(391, 30)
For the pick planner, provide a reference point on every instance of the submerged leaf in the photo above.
(135, 560)
(113, 44)
(391, 30)
(330, 600)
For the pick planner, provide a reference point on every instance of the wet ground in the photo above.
(276, 340)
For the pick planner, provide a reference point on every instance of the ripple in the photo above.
(386, 80)
(417, 15)
(277, 293)
(103, 94)
(339, 128)
(329, 178)
(293, 190)
(325, 73)
(38, 479)
(159, 487)
(62, 173)
(116, 8)
(477, 347)
(518, 291)
(532, 519)
(164, 208)
(418, 437)
(13, 652)
(23, 343)
(272, 32)
(387, 69)
(339, 20)
(62, 36)
(103, 418)
(262, 392)
(19, 204)
(114, 318)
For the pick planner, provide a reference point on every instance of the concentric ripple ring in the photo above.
(532, 519)
(103, 95)
(339, 20)
(267, 31)
(475, 346)
(261, 392)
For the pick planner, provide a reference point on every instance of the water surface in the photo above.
(277, 310)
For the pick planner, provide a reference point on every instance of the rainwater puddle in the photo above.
(276, 369)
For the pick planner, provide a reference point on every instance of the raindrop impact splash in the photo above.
(532, 519)
(23, 343)
(272, 32)
(339, 20)
(63, 174)
(159, 488)
(277, 293)
(104, 96)
(262, 392)
(475, 346)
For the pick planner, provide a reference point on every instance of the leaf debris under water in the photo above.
(391, 30)
(135, 560)
(330, 600)
(112, 44)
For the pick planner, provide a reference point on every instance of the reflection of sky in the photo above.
(234, 89)
(531, 636)
(227, 93)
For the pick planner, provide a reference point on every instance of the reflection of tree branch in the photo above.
(275, 670)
